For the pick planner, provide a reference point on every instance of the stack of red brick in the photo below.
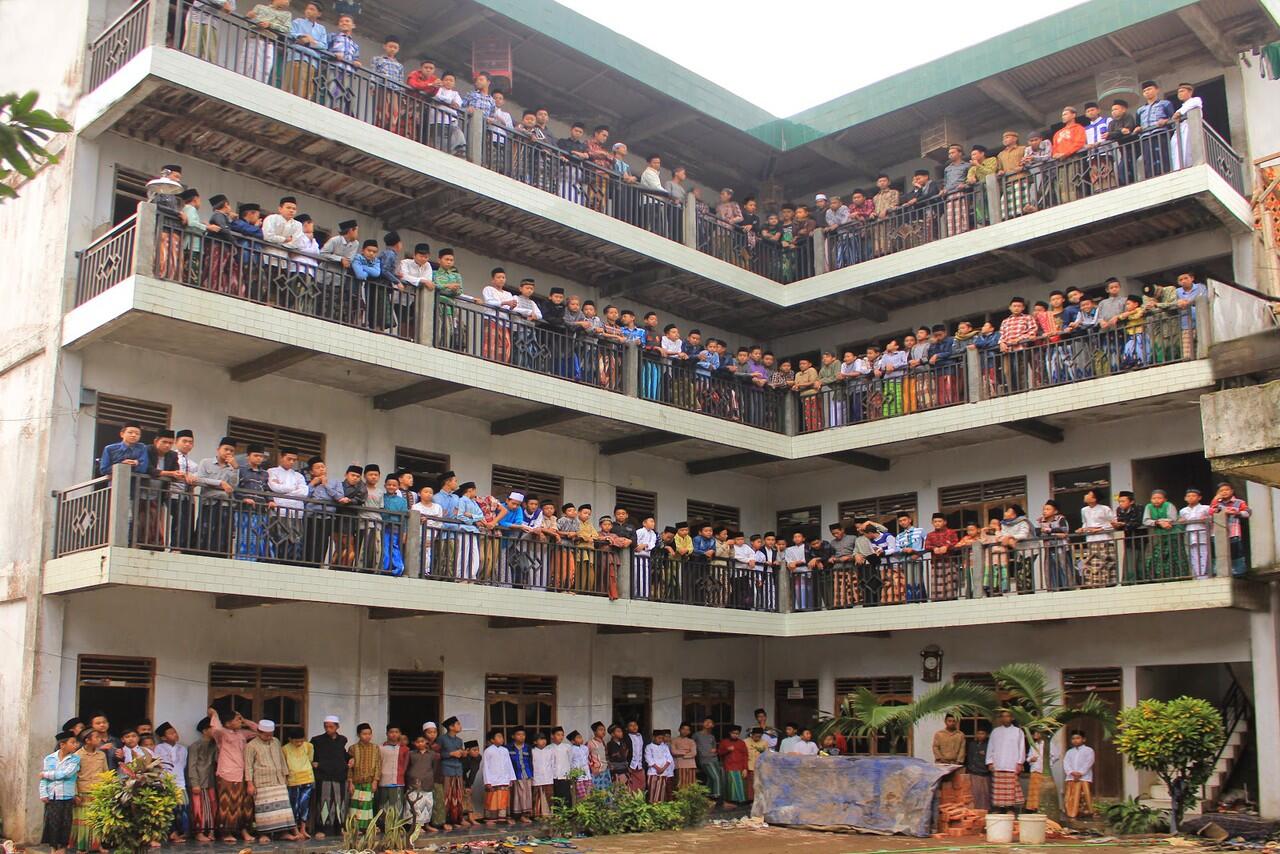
(956, 815)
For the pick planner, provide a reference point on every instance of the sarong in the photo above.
(735, 787)
(714, 773)
(750, 778)
(454, 798)
(57, 823)
(659, 787)
(980, 788)
(497, 802)
(521, 797)
(635, 779)
(235, 809)
(82, 838)
(1006, 791)
(686, 777)
(542, 801)
(331, 805)
(181, 815)
(300, 800)
(1079, 793)
(390, 796)
(204, 810)
(422, 802)
(272, 809)
(437, 805)
(362, 804)
(582, 787)
(1034, 781)
(603, 780)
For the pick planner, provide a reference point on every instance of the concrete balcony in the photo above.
(126, 531)
(499, 195)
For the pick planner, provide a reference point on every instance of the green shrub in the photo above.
(129, 811)
(1133, 816)
(617, 810)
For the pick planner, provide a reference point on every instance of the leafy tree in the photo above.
(1178, 740)
(24, 131)
(1037, 707)
(862, 715)
(130, 810)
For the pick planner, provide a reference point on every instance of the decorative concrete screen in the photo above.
(874, 795)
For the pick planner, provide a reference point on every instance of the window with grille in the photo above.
(120, 688)
(795, 701)
(881, 508)
(969, 724)
(806, 519)
(113, 412)
(548, 487)
(890, 691)
(710, 513)
(632, 701)
(708, 698)
(976, 503)
(274, 437)
(638, 502)
(512, 702)
(274, 692)
(425, 466)
(413, 698)
(1068, 489)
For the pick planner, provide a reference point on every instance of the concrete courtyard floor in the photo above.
(741, 840)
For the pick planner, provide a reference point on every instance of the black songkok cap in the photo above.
(354, 470)
(347, 225)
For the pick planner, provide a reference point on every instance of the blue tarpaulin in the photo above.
(875, 795)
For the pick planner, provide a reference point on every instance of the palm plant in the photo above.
(862, 715)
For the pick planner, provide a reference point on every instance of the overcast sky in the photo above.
(788, 55)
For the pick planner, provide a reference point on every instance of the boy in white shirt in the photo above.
(1195, 519)
(544, 776)
(1077, 765)
(661, 766)
(499, 774)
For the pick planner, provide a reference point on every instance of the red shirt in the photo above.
(946, 538)
(1070, 139)
(427, 84)
(733, 753)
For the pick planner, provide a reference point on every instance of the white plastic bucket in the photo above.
(999, 827)
(1031, 828)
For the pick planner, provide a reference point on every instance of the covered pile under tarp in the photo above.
(875, 795)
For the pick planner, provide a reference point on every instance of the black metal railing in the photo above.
(699, 580)
(107, 261)
(906, 227)
(1158, 337)
(732, 397)
(239, 45)
(499, 335)
(538, 560)
(1001, 566)
(121, 41)
(82, 519)
(270, 274)
(749, 250)
(862, 398)
(1221, 157)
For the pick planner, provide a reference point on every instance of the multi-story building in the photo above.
(157, 601)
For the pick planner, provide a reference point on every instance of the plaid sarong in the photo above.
(1006, 791)
(362, 804)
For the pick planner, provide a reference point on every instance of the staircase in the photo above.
(1236, 709)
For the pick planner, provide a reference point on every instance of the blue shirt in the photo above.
(513, 518)
(364, 269)
(303, 27)
(389, 261)
(911, 538)
(448, 506)
(450, 765)
(704, 544)
(482, 103)
(1197, 291)
(636, 334)
(119, 452)
(1149, 114)
(344, 47)
(469, 513)
(394, 502)
(58, 777)
(521, 760)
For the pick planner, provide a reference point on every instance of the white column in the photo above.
(1130, 694)
(1264, 637)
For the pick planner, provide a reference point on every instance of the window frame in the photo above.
(520, 700)
(887, 508)
(698, 511)
(709, 701)
(512, 479)
(258, 695)
(899, 690)
(308, 442)
(150, 685)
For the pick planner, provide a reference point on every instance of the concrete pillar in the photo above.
(1264, 638)
(976, 570)
(973, 374)
(784, 589)
(624, 571)
(790, 413)
(1195, 137)
(819, 252)
(1221, 546)
(144, 241)
(1203, 327)
(992, 188)
(690, 214)
(631, 371)
(121, 504)
(475, 138)
(158, 24)
(425, 308)
(413, 546)
(1130, 777)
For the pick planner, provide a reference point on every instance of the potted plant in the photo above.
(130, 810)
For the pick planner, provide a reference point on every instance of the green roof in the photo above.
(1066, 29)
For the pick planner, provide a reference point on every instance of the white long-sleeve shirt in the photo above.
(290, 485)
(1035, 756)
(1079, 760)
(1197, 520)
(414, 273)
(497, 297)
(563, 753)
(744, 555)
(495, 764)
(803, 748)
(795, 554)
(645, 541)
(659, 754)
(282, 232)
(544, 766)
(1097, 516)
(638, 753)
(1006, 748)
